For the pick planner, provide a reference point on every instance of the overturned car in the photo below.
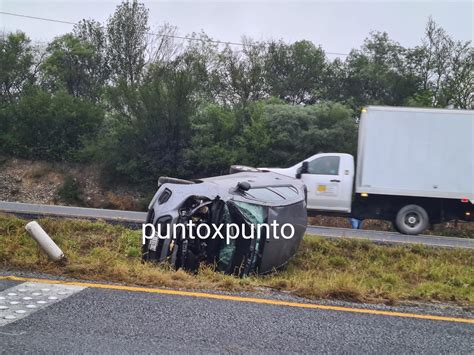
(254, 222)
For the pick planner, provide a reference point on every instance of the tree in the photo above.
(94, 35)
(213, 147)
(241, 74)
(459, 86)
(75, 65)
(16, 61)
(150, 129)
(377, 74)
(444, 67)
(127, 32)
(295, 72)
(334, 78)
(161, 45)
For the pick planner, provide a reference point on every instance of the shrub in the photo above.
(48, 126)
(69, 191)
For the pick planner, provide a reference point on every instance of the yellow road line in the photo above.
(241, 299)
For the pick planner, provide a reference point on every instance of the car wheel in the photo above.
(242, 168)
(412, 219)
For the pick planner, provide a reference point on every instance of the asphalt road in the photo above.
(136, 218)
(117, 321)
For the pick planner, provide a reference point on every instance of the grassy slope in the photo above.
(342, 269)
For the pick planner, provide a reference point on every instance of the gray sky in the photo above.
(336, 25)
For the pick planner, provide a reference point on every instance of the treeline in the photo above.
(144, 103)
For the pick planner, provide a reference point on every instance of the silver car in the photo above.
(246, 199)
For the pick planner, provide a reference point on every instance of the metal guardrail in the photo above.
(72, 212)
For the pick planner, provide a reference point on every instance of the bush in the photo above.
(48, 126)
(298, 132)
(69, 191)
(267, 134)
(148, 139)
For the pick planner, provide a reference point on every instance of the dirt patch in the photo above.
(28, 181)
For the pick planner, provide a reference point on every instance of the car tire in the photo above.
(412, 219)
(241, 169)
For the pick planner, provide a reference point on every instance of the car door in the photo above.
(329, 182)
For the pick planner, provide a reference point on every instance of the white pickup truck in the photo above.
(414, 167)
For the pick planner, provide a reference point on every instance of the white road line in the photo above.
(24, 299)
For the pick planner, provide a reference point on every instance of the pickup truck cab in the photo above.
(329, 179)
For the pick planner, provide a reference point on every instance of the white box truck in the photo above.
(414, 167)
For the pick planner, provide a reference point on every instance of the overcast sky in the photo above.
(336, 25)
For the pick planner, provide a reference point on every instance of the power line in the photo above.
(150, 33)
(37, 18)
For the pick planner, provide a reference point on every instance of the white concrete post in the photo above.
(44, 241)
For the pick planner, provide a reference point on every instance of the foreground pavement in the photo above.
(81, 317)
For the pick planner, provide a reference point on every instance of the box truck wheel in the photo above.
(412, 219)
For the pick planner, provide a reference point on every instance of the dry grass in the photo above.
(342, 269)
(358, 270)
(120, 202)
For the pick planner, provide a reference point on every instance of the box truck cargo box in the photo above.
(416, 152)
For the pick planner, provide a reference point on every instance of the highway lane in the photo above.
(136, 218)
(103, 320)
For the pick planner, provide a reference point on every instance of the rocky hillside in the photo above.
(62, 183)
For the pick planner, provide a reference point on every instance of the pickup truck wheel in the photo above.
(242, 168)
(412, 219)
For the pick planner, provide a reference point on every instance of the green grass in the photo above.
(333, 269)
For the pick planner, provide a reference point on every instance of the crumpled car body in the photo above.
(247, 199)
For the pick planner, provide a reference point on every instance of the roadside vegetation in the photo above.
(328, 269)
(160, 105)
